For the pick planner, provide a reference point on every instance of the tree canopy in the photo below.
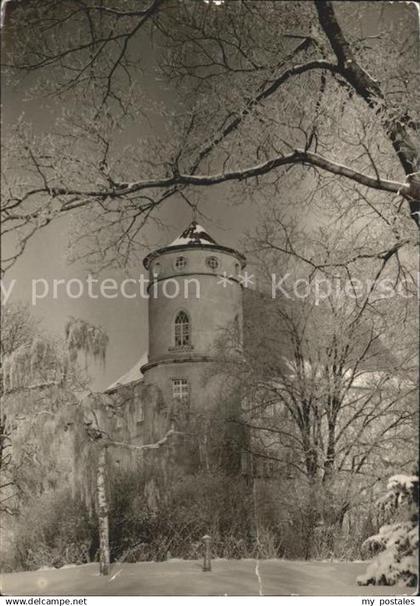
(254, 95)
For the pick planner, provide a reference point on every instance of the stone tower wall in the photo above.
(211, 305)
(196, 290)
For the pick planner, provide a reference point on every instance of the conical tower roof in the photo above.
(193, 236)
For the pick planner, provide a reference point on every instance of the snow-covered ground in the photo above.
(184, 577)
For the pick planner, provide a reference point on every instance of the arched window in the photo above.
(182, 330)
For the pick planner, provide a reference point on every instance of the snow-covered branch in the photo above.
(298, 156)
(152, 446)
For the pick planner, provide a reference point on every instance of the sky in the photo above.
(124, 320)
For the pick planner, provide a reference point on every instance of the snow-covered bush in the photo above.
(397, 542)
(51, 530)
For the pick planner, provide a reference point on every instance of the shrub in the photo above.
(52, 531)
(397, 542)
(194, 505)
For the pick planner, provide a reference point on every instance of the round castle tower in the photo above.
(195, 293)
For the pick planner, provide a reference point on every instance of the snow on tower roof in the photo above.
(133, 375)
(194, 234)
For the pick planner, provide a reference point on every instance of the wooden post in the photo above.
(103, 522)
(207, 554)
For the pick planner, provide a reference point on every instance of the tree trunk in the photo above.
(102, 509)
(329, 461)
(370, 90)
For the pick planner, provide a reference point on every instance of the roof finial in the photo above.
(194, 212)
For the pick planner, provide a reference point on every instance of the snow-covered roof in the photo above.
(134, 374)
(194, 234)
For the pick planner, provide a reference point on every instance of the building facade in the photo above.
(190, 306)
(195, 295)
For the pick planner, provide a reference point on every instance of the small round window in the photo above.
(180, 263)
(212, 262)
